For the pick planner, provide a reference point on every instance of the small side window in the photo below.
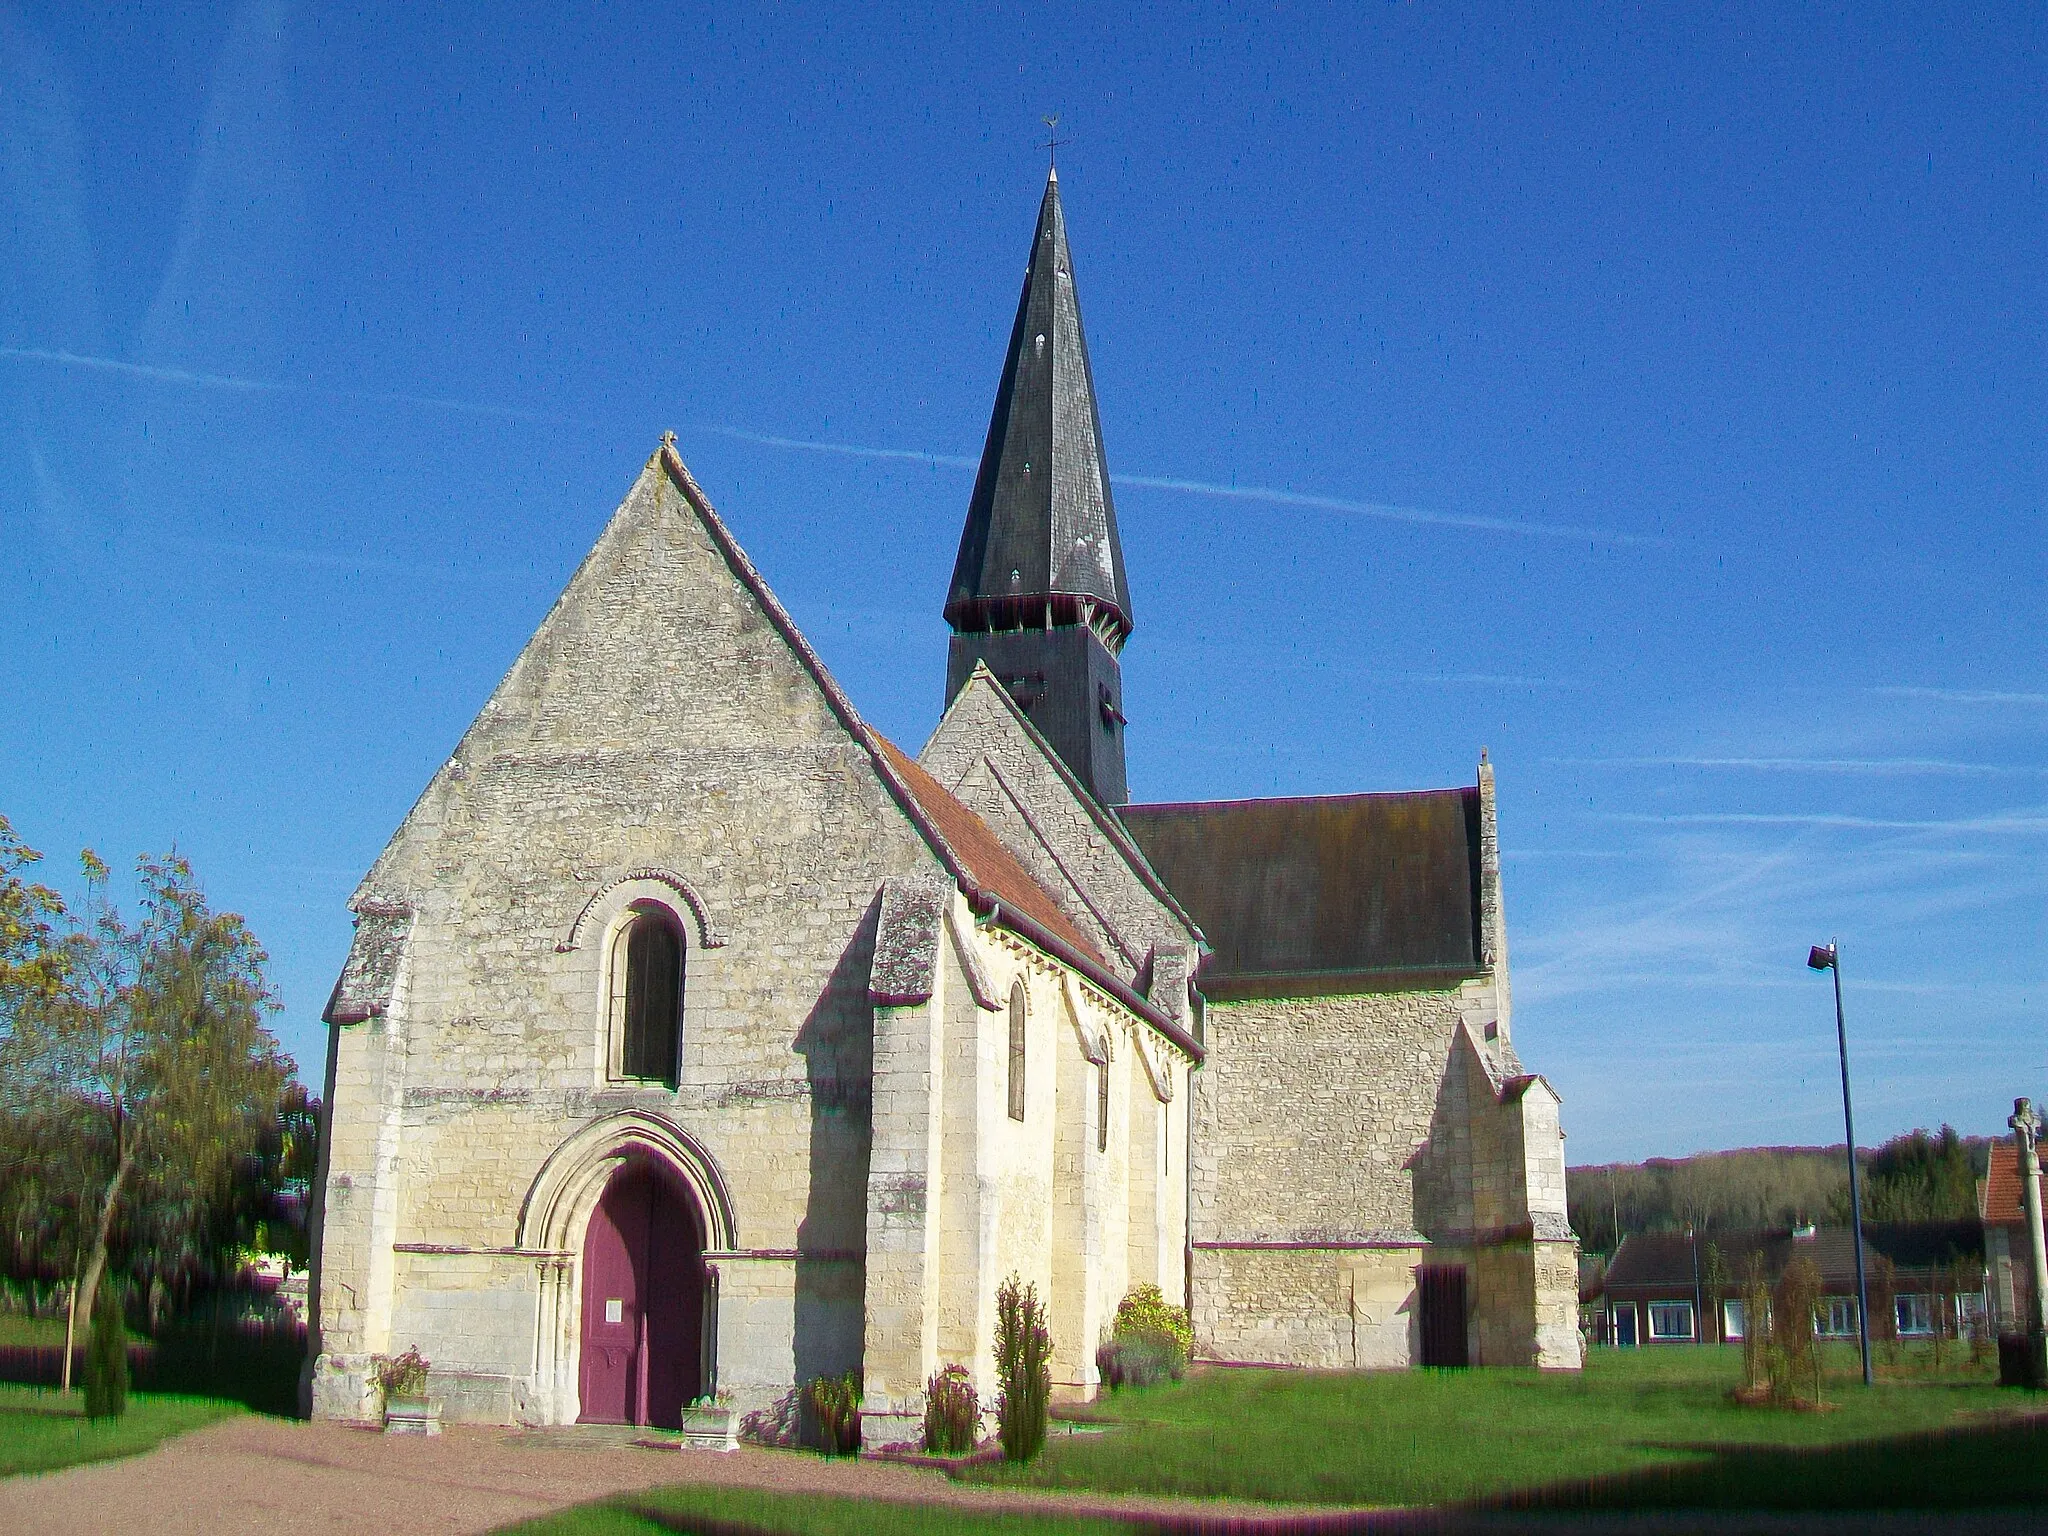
(1017, 1022)
(1102, 1098)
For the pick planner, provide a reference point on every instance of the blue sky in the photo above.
(1655, 400)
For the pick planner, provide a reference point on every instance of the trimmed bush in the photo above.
(1023, 1368)
(1145, 1313)
(952, 1413)
(106, 1357)
(1150, 1342)
(834, 1402)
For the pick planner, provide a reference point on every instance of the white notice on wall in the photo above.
(615, 1309)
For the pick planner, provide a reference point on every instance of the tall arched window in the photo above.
(651, 1003)
(1017, 1051)
(1102, 1098)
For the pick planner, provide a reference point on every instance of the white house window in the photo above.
(1916, 1314)
(1670, 1319)
(1733, 1323)
(1835, 1317)
(647, 996)
(1017, 1022)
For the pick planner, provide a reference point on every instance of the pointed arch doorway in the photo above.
(643, 1301)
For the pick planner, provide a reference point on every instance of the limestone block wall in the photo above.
(659, 739)
(1341, 1141)
(1040, 1198)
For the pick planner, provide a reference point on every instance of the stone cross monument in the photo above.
(2026, 1128)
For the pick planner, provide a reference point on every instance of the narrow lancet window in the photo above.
(1017, 1051)
(654, 998)
(1102, 1098)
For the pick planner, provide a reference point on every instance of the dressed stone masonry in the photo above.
(696, 1039)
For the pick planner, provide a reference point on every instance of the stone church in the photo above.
(694, 1037)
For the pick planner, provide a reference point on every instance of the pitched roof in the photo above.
(1041, 526)
(2002, 1201)
(989, 871)
(993, 867)
(1663, 1260)
(1105, 820)
(1324, 893)
(970, 852)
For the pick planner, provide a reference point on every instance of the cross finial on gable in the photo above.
(668, 441)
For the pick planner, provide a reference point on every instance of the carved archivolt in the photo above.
(616, 892)
(567, 1187)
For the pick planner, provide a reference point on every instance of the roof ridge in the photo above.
(835, 696)
(895, 768)
(1104, 818)
(1353, 795)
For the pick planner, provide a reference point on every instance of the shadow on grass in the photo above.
(1990, 1465)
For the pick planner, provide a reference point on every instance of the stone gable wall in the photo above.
(657, 720)
(988, 760)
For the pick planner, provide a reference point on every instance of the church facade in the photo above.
(695, 1038)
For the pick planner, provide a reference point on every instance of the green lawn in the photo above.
(1643, 1427)
(42, 1429)
(666, 1510)
(18, 1329)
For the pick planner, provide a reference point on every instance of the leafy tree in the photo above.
(32, 959)
(148, 1058)
(1918, 1177)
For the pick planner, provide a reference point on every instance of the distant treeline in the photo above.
(1920, 1176)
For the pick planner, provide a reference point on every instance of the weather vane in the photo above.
(1052, 139)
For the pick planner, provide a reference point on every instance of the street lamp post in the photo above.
(1830, 959)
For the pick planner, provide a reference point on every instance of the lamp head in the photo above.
(1821, 957)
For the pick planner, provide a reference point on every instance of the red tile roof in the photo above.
(2002, 1206)
(989, 864)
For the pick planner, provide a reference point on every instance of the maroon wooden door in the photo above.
(643, 1303)
(1440, 1290)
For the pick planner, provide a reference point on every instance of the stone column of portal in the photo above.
(2026, 1127)
(901, 1335)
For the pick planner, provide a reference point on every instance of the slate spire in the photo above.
(1041, 529)
(1038, 588)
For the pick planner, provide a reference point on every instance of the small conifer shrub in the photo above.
(106, 1357)
(1023, 1369)
(952, 1412)
(834, 1402)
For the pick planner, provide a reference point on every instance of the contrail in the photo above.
(1260, 493)
(1874, 765)
(141, 371)
(1960, 695)
(1267, 495)
(1750, 819)
(196, 380)
(1379, 509)
(844, 450)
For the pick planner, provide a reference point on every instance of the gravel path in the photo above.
(281, 1478)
